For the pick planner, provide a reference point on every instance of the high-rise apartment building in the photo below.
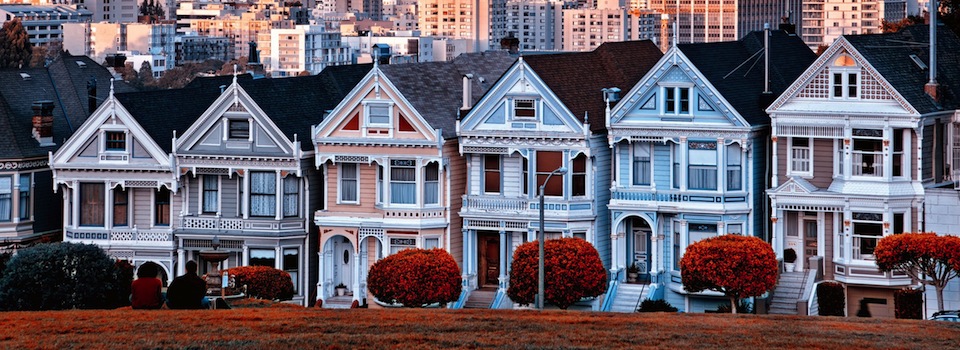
(309, 48)
(584, 29)
(536, 24)
(704, 21)
(463, 19)
(42, 22)
(826, 20)
(242, 29)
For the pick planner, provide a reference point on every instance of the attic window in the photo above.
(239, 129)
(524, 108)
(844, 61)
(116, 141)
(378, 114)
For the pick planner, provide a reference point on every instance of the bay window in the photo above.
(579, 176)
(403, 182)
(263, 194)
(867, 152)
(25, 185)
(431, 183)
(161, 204)
(6, 198)
(91, 204)
(291, 196)
(676, 245)
(867, 230)
(211, 186)
(291, 264)
(380, 184)
(641, 164)
(121, 202)
(547, 162)
(263, 257)
(348, 182)
(491, 173)
(702, 168)
(734, 168)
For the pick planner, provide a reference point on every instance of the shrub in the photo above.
(261, 282)
(4, 258)
(737, 266)
(60, 276)
(124, 281)
(908, 303)
(790, 256)
(416, 278)
(660, 305)
(572, 271)
(831, 299)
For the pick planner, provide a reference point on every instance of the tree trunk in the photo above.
(733, 305)
(939, 297)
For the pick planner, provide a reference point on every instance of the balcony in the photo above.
(162, 237)
(636, 195)
(521, 207)
(254, 225)
(420, 217)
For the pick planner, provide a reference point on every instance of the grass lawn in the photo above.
(273, 327)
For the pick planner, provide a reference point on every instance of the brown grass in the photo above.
(432, 328)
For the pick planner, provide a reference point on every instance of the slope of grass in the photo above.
(432, 328)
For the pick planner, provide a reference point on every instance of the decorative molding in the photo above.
(564, 142)
(24, 164)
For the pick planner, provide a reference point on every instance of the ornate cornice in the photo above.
(546, 141)
(24, 164)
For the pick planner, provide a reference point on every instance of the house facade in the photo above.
(859, 138)
(156, 177)
(39, 109)
(545, 114)
(393, 172)
(689, 149)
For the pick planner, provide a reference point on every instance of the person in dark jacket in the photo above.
(187, 291)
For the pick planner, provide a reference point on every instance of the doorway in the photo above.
(488, 258)
(809, 229)
(641, 248)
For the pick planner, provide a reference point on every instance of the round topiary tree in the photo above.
(59, 276)
(737, 266)
(572, 271)
(415, 278)
(924, 256)
(262, 282)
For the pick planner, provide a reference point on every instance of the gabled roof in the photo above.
(63, 82)
(737, 74)
(294, 104)
(578, 78)
(435, 89)
(890, 54)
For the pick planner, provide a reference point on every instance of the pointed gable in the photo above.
(577, 79)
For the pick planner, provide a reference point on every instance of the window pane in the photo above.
(263, 194)
(852, 85)
(162, 207)
(837, 85)
(579, 176)
(491, 174)
(263, 257)
(91, 204)
(431, 185)
(641, 164)
(6, 198)
(430, 243)
(403, 185)
(239, 129)
(120, 200)
(524, 108)
(116, 141)
(25, 196)
(671, 101)
(734, 173)
(379, 115)
(291, 196)
(348, 182)
(684, 100)
(211, 186)
(547, 162)
(291, 264)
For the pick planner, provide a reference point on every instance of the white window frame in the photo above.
(425, 183)
(367, 108)
(423, 241)
(416, 181)
(883, 153)
(203, 194)
(635, 151)
(845, 74)
(126, 141)
(533, 107)
(340, 171)
(790, 157)
(677, 101)
(740, 160)
(404, 246)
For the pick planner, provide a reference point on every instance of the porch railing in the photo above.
(120, 234)
(239, 224)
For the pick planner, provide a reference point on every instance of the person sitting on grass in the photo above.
(188, 291)
(145, 290)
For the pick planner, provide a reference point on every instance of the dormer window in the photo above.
(676, 100)
(845, 85)
(378, 115)
(239, 129)
(116, 141)
(524, 108)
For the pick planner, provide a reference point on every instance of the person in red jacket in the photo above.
(145, 292)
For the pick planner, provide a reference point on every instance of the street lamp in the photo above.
(540, 274)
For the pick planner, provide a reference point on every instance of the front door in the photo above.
(641, 253)
(344, 257)
(809, 242)
(488, 256)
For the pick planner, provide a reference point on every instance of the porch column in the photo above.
(108, 211)
(652, 250)
(76, 205)
(356, 274)
(504, 248)
(245, 199)
(278, 192)
(181, 261)
(775, 178)
(320, 273)
(615, 262)
(246, 255)
(777, 227)
(278, 253)
(888, 153)
(847, 237)
(15, 198)
(847, 154)
(683, 164)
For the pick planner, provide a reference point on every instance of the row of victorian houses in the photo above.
(321, 176)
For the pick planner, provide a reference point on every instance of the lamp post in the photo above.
(540, 272)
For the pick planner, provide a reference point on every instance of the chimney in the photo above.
(43, 122)
(467, 93)
(766, 97)
(932, 88)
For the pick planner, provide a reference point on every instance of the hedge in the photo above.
(261, 282)
(416, 278)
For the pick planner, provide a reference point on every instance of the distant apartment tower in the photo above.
(704, 21)
(94, 40)
(824, 21)
(537, 24)
(117, 11)
(242, 29)
(753, 14)
(584, 29)
(309, 48)
(645, 24)
(461, 19)
(196, 48)
(42, 22)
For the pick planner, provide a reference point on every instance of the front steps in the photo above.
(789, 289)
(628, 297)
(481, 298)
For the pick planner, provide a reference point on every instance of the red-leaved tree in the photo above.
(924, 256)
(416, 278)
(572, 271)
(262, 282)
(737, 266)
